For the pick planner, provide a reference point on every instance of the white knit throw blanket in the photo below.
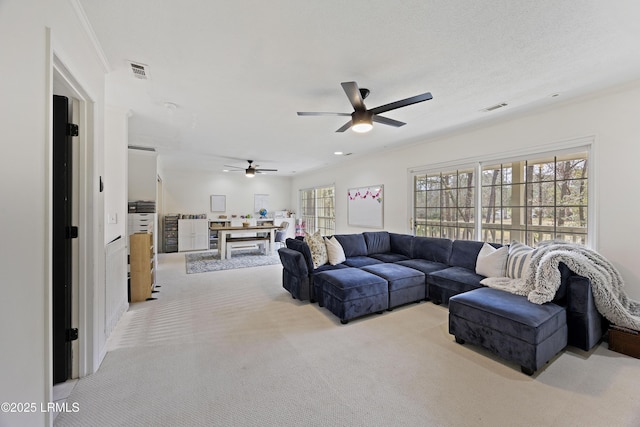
(543, 280)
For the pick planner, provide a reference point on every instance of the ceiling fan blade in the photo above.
(388, 121)
(235, 167)
(303, 113)
(402, 103)
(345, 126)
(353, 93)
(266, 170)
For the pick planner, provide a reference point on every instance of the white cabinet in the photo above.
(142, 223)
(193, 235)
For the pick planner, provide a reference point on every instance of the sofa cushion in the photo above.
(378, 242)
(361, 261)
(519, 260)
(352, 244)
(464, 253)
(510, 314)
(423, 265)
(456, 279)
(492, 262)
(335, 253)
(293, 262)
(389, 257)
(351, 283)
(300, 246)
(328, 267)
(402, 244)
(317, 248)
(397, 275)
(432, 249)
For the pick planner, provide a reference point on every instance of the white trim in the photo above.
(48, 247)
(88, 30)
(477, 227)
(87, 343)
(592, 224)
(503, 156)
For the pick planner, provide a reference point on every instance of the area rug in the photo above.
(209, 261)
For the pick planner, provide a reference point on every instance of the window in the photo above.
(535, 200)
(317, 210)
(444, 204)
(529, 200)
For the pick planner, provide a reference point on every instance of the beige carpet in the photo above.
(232, 348)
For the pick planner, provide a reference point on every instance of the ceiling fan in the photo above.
(362, 118)
(251, 171)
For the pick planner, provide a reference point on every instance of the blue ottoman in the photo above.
(405, 284)
(509, 326)
(351, 292)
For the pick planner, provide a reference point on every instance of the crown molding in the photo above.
(88, 29)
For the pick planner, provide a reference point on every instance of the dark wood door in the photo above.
(62, 233)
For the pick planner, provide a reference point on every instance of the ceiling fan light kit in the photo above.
(362, 121)
(362, 118)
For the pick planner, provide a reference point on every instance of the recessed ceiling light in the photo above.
(338, 153)
(171, 106)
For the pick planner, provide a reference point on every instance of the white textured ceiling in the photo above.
(239, 70)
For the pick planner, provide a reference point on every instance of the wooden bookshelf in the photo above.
(141, 259)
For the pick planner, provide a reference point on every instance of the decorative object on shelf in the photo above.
(263, 213)
(246, 223)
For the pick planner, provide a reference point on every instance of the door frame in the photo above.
(83, 363)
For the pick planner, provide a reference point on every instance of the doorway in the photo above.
(79, 111)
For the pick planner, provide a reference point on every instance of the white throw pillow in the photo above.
(492, 262)
(519, 260)
(334, 251)
(317, 247)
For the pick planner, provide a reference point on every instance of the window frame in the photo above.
(329, 221)
(557, 149)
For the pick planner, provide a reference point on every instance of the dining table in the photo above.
(225, 232)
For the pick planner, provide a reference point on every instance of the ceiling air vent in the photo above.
(495, 107)
(138, 147)
(140, 71)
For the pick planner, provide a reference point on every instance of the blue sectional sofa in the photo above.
(384, 270)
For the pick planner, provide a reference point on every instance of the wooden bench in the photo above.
(247, 242)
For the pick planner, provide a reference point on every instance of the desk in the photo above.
(223, 233)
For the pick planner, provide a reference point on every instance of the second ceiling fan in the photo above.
(362, 118)
(251, 171)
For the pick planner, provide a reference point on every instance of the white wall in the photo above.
(25, 188)
(188, 192)
(116, 135)
(143, 175)
(612, 117)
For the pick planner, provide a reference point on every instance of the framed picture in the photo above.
(218, 203)
(366, 206)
